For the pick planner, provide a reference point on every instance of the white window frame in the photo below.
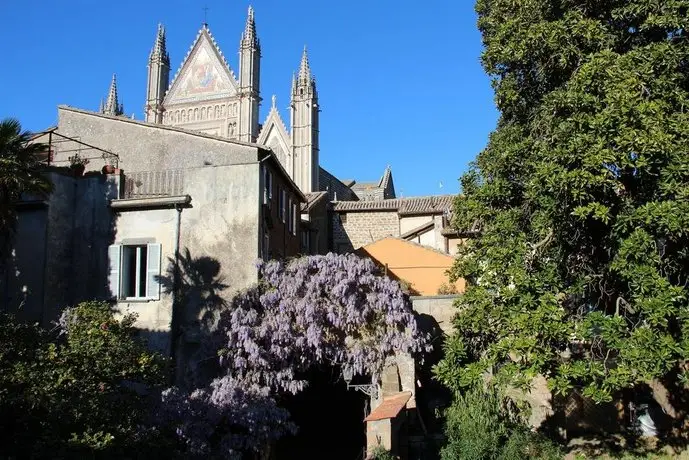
(150, 275)
(290, 221)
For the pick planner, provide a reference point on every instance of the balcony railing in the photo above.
(144, 184)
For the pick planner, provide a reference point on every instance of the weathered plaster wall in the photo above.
(432, 237)
(219, 234)
(143, 146)
(439, 307)
(61, 248)
(283, 243)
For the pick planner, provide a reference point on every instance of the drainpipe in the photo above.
(176, 299)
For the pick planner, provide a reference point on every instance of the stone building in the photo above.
(202, 185)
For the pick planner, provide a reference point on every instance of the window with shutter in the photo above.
(153, 271)
(114, 257)
(135, 271)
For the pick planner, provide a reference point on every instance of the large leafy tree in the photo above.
(578, 208)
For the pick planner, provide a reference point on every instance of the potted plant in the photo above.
(78, 164)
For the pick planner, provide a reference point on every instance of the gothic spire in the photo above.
(249, 37)
(304, 69)
(112, 106)
(159, 50)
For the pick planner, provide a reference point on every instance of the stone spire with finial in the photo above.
(112, 105)
(304, 69)
(249, 36)
(159, 51)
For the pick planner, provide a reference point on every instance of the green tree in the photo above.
(79, 390)
(20, 172)
(579, 205)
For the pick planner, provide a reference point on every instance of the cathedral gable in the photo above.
(204, 74)
(274, 135)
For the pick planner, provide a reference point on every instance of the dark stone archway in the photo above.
(330, 420)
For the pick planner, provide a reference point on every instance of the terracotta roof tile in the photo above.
(436, 204)
(390, 407)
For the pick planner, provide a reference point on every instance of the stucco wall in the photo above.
(142, 146)
(283, 243)
(441, 308)
(61, 248)
(432, 237)
(424, 269)
(218, 239)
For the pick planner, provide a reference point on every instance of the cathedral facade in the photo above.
(207, 96)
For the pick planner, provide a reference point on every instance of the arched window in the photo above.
(196, 114)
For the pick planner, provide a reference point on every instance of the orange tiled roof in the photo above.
(390, 407)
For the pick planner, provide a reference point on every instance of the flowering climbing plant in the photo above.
(332, 309)
(337, 310)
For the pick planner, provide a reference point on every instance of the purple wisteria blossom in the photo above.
(227, 418)
(335, 309)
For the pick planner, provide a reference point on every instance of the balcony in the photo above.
(148, 184)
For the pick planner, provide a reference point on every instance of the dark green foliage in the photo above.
(77, 390)
(481, 426)
(579, 265)
(381, 453)
(20, 172)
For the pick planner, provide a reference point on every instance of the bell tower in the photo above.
(304, 121)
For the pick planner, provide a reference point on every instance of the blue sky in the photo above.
(400, 82)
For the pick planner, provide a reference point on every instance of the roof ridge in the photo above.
(165, 127)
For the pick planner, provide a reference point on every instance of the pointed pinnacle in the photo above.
(112, 106)
(159, 50)
(249, 36)
(304, 69)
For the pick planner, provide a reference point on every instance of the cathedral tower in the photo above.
(158, 78)
(304, 121)
(249, 79)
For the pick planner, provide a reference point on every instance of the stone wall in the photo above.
(60, 252)
(351, 230)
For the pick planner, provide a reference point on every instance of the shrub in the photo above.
(75, 390)
(481, 425)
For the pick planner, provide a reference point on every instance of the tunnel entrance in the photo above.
(330, 420)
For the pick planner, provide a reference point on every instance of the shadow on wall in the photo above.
(59, 254)
(196, 286)
(432, 396)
